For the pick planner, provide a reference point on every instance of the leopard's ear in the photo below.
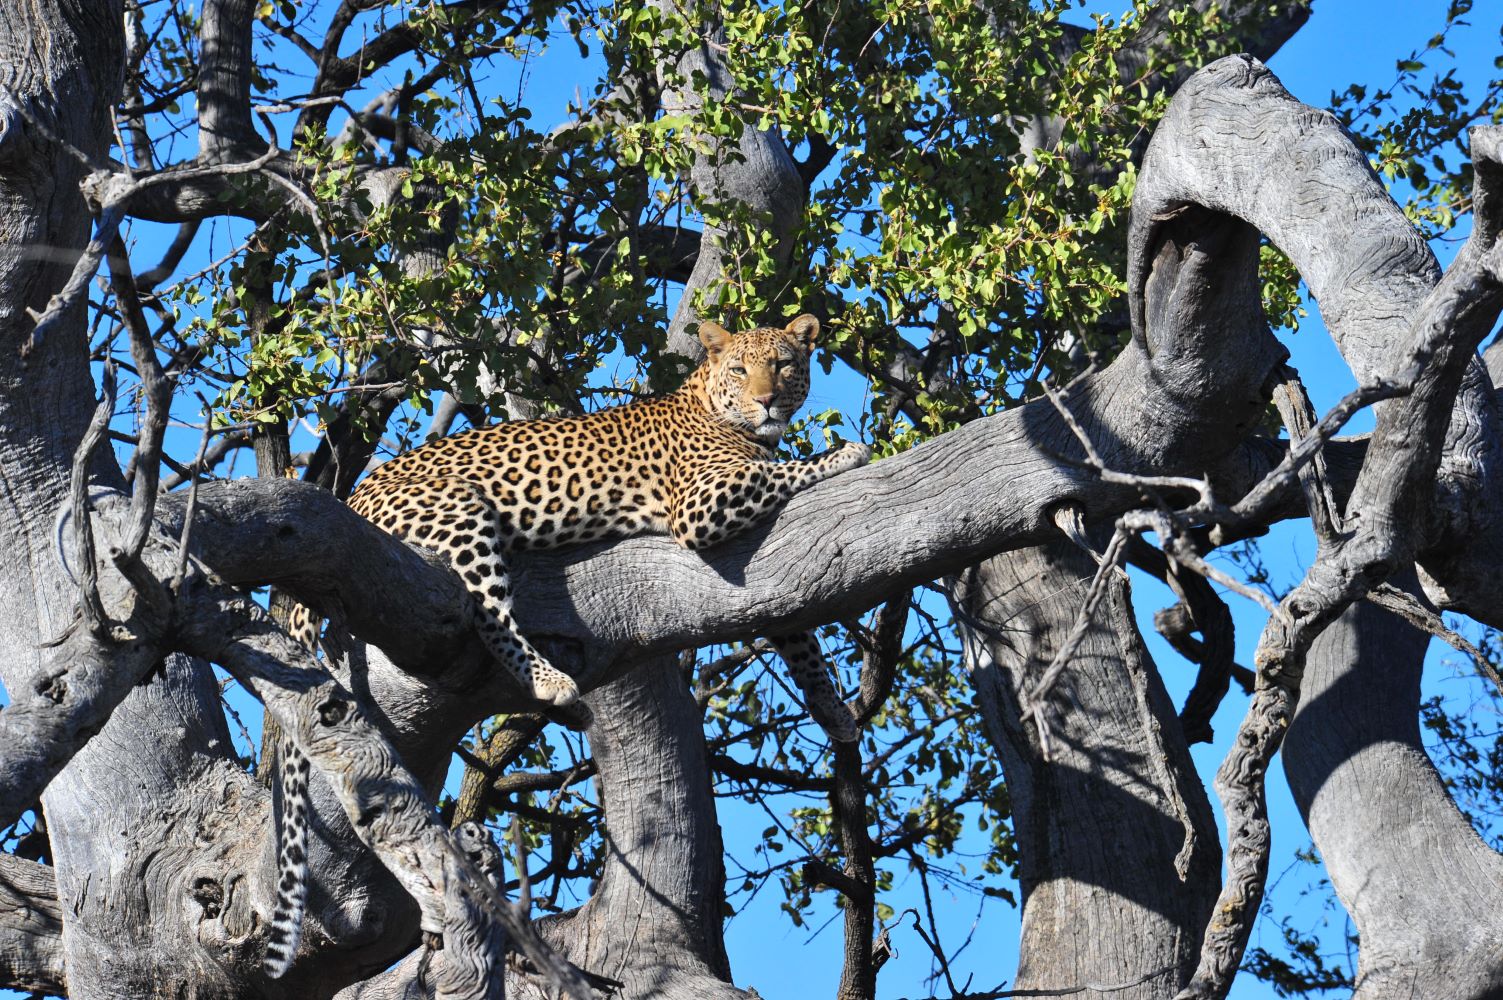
(806, 329)
(715, 337)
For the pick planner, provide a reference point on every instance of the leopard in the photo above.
(698, 464)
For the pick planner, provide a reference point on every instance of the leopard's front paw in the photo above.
(851, 455)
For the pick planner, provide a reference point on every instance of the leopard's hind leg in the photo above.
(806, 664)
(455, 518)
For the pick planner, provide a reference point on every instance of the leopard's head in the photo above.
(757, 380)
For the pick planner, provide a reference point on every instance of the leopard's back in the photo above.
(552, 482)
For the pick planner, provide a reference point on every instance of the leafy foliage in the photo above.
(1415, 128)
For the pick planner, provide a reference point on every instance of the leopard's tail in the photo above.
(292, 864)
(811, 672)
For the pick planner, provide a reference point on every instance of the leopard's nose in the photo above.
(766, 400)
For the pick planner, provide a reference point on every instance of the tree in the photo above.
(948, 186)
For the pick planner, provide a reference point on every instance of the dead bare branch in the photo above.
(1298, 413)
(1034, 700)
(90, 608)
(1413, 611)
(156, 394)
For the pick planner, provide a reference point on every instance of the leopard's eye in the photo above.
(738, 370)
(781, 364)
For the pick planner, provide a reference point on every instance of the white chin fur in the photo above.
(772, 430)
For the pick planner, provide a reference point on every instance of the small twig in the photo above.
(1069, 518)
(1062, 991)
(718, 673)
(1299, 418)
(1182, 550)
(218, 262)
(228, 441)
(90, 607)
(939, 952)
(112, 191)
(156, 394)
(287, 107)
(1045, 346)
(229, 709)
(1095, 463)
(1033, 700)
(1408, 607)
(104, 231)
(192, 508)
(1262, 497)
(524, 878)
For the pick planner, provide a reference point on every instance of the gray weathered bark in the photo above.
(1421, 886)
(103, 868)
(654, 921)
(153, 868)
(1277, 154)
(1119, 851)
(652, 927)
(31, 927)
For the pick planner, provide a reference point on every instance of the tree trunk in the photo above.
(654, 920)
(145, 819)
(1119, 855)
(1421, 886)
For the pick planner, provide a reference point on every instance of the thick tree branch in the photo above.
(382, 798)
(933, 510)
(1356, 730)
(1117, 845)
(852, 541)
(654, 919)
(225, 131)
(81, 681)
(1268, 135)
(31, 928)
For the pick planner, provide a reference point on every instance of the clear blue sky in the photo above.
(1346, 41)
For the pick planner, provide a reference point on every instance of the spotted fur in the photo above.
(697, 464)
(286, 928)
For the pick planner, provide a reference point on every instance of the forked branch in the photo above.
(1394, 485)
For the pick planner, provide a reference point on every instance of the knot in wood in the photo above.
(333, 712)
(53, 688)
(209, 894)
